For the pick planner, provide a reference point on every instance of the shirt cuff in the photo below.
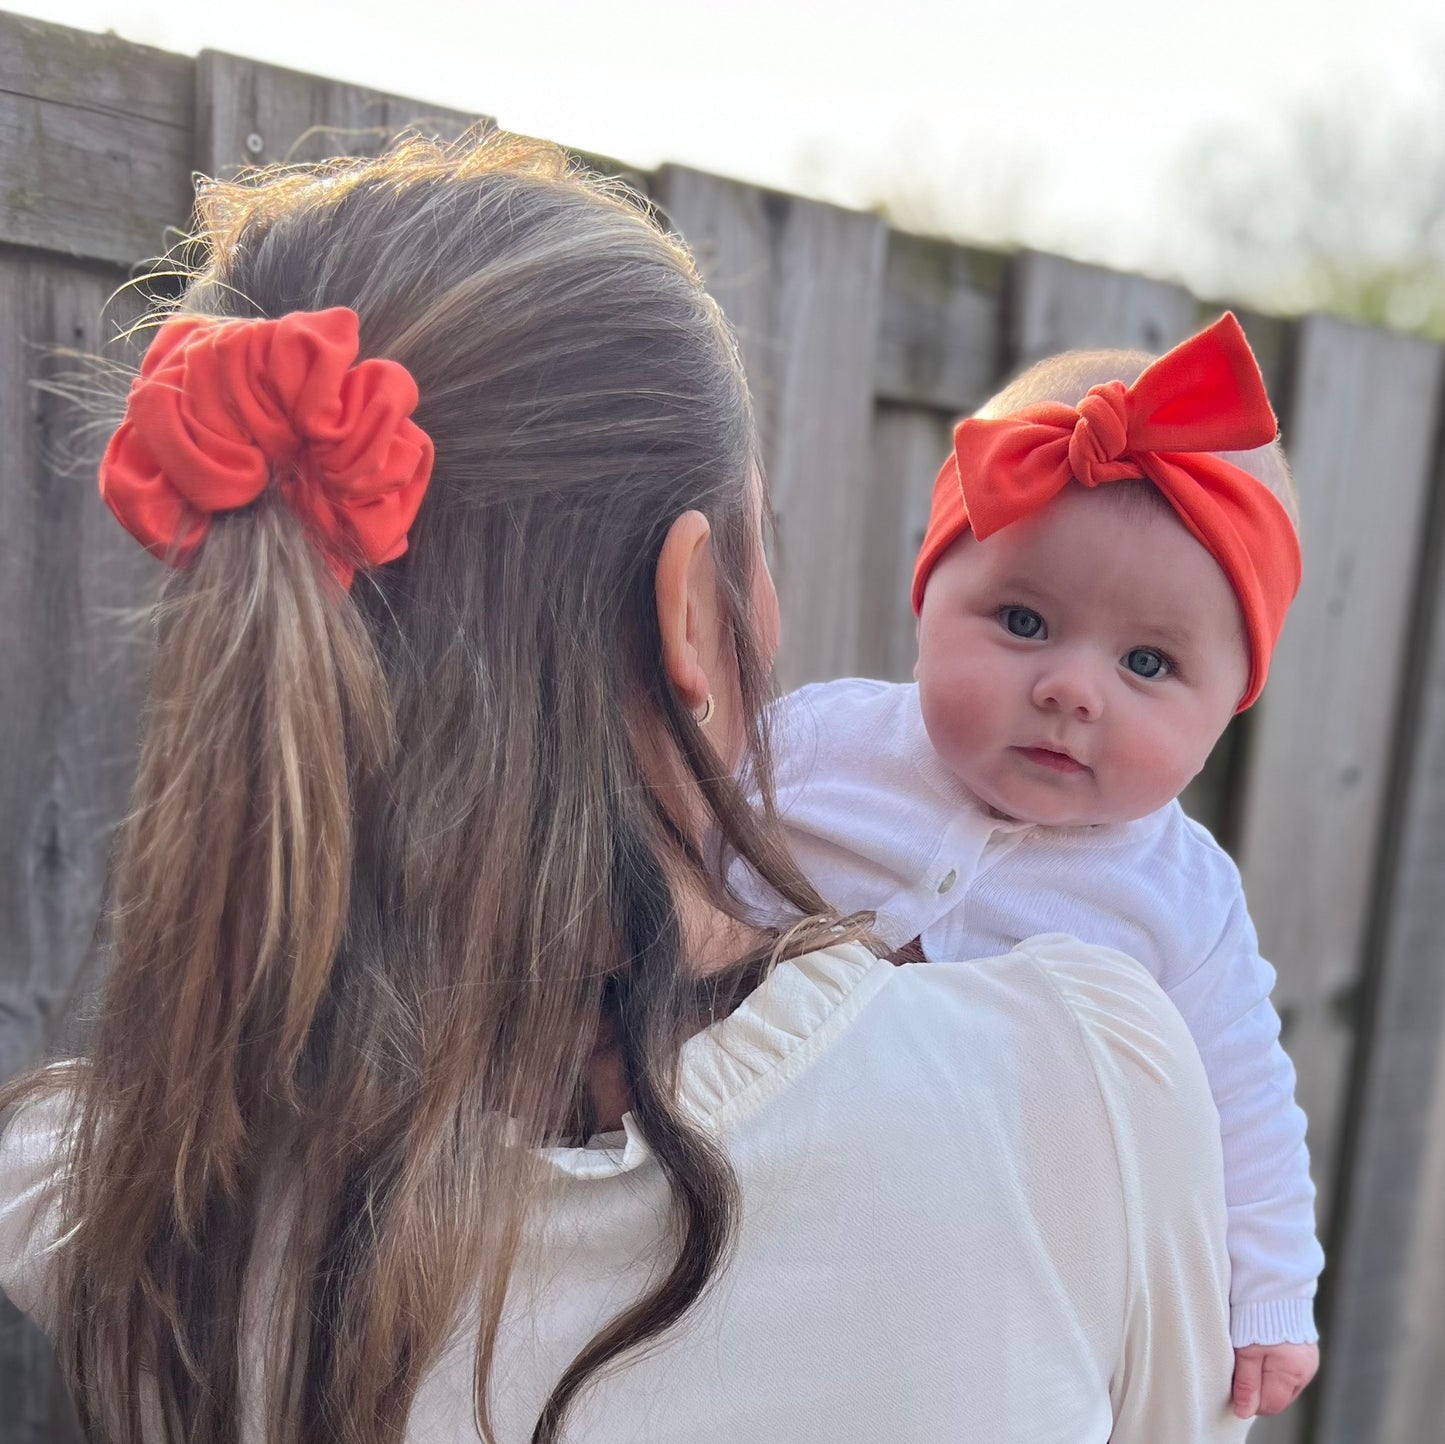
(1273, 1321)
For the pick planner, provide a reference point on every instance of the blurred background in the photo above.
(1285, 152)
(897, 207)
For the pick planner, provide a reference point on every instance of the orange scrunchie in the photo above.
(1204, 396)
(222, 407)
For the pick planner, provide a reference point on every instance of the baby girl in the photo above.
(1105, 573)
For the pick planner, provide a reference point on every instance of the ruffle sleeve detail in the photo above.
(730, 1069)
(31, 1151)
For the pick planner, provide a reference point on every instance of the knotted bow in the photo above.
(1206, 395)
(222, 408)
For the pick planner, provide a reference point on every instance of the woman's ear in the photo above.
(687, 608)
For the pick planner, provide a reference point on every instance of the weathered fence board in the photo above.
(248, 113)
(1414, 1401)
(909, 443)
(1361, 433)
(34, 1405)
(939, 338)
(1386, 1380)
(68, 708)
(67, 711)
(802, 284)
(1058, 305)
(96, 139)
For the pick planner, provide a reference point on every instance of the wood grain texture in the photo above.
(909, 444)
(939, 342)
(1414, 1396)
(1361, 430)
(1059, 305)
(95, 135)
(74, 674)
(802, 284)
(74, 665)
(35, 1407)
(248, 113)
(1386, 1376)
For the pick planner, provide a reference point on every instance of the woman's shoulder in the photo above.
(1101, 990)
(1111, 1059)
(1138, 1046)
(1054, 983)
(1070, 1016)
(1076, 1021)
(32, 1152)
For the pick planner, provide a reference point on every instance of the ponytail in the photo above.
(266, 713)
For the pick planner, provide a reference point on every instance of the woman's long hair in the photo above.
(391, 856)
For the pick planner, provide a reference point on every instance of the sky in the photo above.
(1061, 125)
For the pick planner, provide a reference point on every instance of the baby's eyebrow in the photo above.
(1019, 582)
(1175, 638)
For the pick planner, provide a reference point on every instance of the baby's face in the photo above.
(1078, 666)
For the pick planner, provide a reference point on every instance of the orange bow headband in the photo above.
(220, 408)
(1204, 396)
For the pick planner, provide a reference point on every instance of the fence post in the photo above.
(96, 140)
(1385, 1383)
(939, 350)
(248, 113)
(74, 670)
(1361, 433)
(1058, 305)
(802, 284)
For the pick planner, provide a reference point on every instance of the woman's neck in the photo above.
(712, 941)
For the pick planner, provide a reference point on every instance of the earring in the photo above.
(708, 708)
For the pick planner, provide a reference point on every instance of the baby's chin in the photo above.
(1021, 805)
(1035, 817)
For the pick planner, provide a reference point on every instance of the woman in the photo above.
(439, 1087)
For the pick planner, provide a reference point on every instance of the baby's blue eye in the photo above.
(1146, 662)
(1023, 622)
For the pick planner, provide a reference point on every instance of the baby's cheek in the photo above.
(954, 739)
(958, 716)
(1157, 766)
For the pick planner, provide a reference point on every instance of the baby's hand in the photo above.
(1268, 1378)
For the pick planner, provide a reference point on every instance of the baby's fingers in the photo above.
(1248, 1369)
(1280, 1385)
(1268, 1378)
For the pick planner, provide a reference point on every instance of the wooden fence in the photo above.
(863, 343)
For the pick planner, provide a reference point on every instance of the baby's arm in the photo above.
(1275, 1257)
(1274, 1254)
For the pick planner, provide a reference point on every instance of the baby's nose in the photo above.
(1071, 686)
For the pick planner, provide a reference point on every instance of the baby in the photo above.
(1104, 575)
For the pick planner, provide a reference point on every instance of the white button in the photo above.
(946, 882)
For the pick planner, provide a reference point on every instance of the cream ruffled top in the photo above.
(982, 1202)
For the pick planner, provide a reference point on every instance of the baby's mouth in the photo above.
(1052, 760)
